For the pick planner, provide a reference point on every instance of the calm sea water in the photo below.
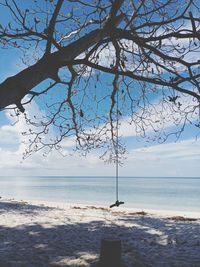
(154, 193)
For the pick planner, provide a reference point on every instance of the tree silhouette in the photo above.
(94, 64)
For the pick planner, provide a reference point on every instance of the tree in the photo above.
(94, 64)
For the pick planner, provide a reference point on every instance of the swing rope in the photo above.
(117, 203)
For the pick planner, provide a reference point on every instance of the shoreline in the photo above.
(151, 211)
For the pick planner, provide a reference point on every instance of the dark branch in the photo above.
(51, 26)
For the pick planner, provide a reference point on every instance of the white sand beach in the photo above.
(34, 234)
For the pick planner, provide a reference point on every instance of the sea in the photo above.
(162, 193)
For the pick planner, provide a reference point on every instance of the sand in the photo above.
(35, 234)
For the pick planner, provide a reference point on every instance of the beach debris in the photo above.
(181, 218)
(142, 213)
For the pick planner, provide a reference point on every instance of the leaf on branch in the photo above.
(36, 20)
(81, 113)
(173, 99)
(69, 14)
(119, 112)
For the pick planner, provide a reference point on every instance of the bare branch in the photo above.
(51, 26)
(146, 51)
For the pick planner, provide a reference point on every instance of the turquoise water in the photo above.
(145, 192)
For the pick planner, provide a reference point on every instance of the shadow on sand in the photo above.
(78, 244)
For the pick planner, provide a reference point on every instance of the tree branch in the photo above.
(156, 81)
(52, 26)
(13, 89)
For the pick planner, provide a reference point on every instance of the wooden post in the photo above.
(110, 254)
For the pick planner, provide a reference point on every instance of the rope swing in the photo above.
(117, 202)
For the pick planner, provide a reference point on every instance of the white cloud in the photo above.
(159, 116)
(183, 150)
(174, 159)
(8, 135)
(11, 162)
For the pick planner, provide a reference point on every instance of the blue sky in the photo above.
(180, 158)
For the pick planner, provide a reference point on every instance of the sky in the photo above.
(179, 158)
(170, 159)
